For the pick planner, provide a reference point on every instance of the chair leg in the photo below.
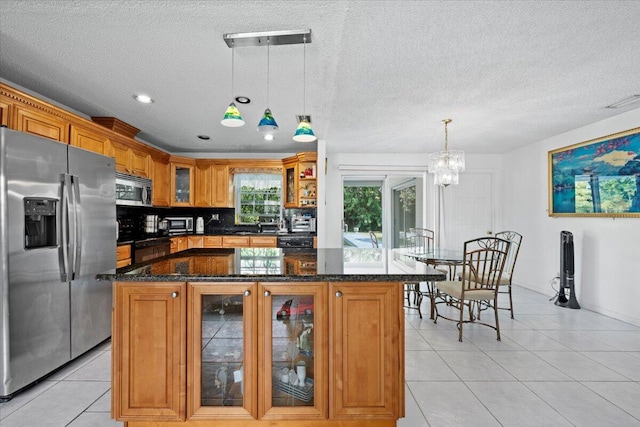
(495, 310)
(461, 318)
(510, 301)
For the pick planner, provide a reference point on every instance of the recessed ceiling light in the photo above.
(269, 137)
(204, 137)
(143, 99)
(242, 100)
(624, 102)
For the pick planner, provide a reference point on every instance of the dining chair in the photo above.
(420, 241)
(507, 275)
(374, 239)
(483, 264)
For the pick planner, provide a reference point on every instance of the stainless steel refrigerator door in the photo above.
(96, 248)
(35, 303)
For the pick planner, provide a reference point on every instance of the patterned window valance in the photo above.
(237, 170)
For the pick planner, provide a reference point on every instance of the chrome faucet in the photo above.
(259, 227)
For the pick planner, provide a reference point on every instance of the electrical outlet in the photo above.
(215, 217)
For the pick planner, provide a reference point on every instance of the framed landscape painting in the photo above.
(599, 178)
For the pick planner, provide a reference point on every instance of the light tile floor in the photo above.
(554, 366)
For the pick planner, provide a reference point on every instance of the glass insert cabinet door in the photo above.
(292, 319)
(222, 341)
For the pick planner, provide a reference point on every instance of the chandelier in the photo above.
(445, 165)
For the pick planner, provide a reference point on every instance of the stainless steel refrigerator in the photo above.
(57, 230)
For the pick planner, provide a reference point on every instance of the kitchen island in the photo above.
(261, 337)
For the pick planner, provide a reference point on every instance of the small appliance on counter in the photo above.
(151, 224)
(200, 225)
(302, 224)
(179, 225)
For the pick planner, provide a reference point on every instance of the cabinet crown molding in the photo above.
(116, 125)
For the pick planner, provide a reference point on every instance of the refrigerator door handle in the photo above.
(77, 211)
(63, 249)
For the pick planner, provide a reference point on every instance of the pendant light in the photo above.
(267, 124)
(446, 165)
(304, 133)
(232, 117)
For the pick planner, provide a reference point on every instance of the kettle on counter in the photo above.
(200, 225)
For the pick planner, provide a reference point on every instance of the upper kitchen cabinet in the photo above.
(160, 176)
(220, 194)
(203, 184)
(26, 113)
(129, 159)
(182, 181)
(211, 184)
(299, 180)
(39, 123)
(89, 139)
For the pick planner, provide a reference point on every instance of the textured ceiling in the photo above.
(381, 75)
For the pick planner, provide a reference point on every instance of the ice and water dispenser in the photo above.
(39, 223)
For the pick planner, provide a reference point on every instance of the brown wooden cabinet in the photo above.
(348, 336)
(232, 241)
(293, 316)
(123, 255)
(131, 160)
(299, 178)
(179, 243)
(223, 372)
(39, 123)
(220, 194)
(160, 176)
(211, 184)
(203, 184)
(212, 241)
(149, 351)
(182, 182)
(195, 242)
(263, 241)
(89, 139)
(367, 331)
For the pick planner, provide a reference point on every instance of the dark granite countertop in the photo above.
(277, 265)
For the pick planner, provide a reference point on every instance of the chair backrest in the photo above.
(515, 239)
(484, 263)
(420, 240)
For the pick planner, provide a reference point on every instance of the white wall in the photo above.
(607, 251)
(340, 164)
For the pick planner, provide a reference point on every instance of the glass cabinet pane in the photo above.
(222, 350)
(183, 179)
(292, 350)
(290, 185)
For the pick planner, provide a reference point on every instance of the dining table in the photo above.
(443, 259)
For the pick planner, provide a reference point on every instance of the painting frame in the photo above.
(596, 178)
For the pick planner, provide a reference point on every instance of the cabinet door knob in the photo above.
(267, 293)
(338, 294)
(174, 295)
(247, 293)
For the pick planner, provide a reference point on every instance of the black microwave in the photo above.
(132, 190)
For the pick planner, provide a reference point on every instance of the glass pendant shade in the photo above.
(304, 133)
(447, 164)
(268, 125)
(232, 117)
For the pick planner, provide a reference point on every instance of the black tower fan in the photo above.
(567, 272)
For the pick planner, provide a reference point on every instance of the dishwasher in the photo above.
(145, 250)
